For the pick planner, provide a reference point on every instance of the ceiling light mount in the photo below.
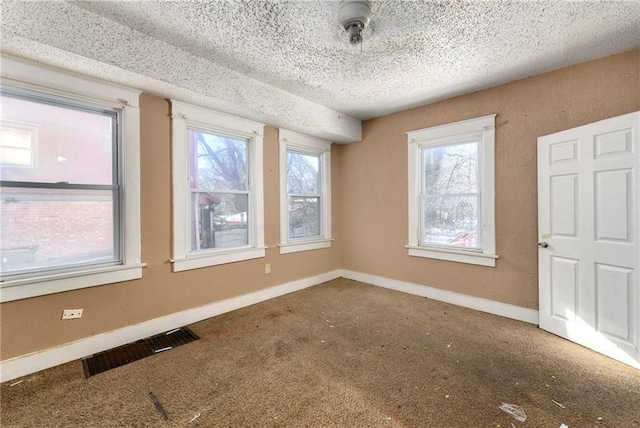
(353, 16)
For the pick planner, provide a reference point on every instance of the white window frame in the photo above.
(33, 148)
(305, 143)
(185, 116)
(484, 128)
(32, 76)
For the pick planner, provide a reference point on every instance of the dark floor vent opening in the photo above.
(135, 351)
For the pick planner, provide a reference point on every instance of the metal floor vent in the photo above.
(126, 354)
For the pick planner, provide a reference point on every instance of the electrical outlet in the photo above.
(69, 314)
(267, 268)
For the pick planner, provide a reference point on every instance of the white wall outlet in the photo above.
(267, 268)
(69, 314)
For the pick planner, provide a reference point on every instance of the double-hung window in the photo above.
(217, 183)
(305, 192)
(65, 220)
(451, 192)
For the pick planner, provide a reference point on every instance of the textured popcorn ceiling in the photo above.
(289, 64)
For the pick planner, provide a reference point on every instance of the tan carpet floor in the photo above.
(342, 354)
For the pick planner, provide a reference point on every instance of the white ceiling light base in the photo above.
(353, 16)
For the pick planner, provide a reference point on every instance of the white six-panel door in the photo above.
(588, 226)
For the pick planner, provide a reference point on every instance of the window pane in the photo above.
(15, 137)
(303, 173)
(73, 146)
(55, 228)
(451, 169)
(217, 162)
(451, 221)
(219, 220)
(13, 156)
(304, 217)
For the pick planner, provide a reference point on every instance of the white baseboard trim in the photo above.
(26, 364)
(477, 303)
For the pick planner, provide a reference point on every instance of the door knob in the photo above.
(543, 244)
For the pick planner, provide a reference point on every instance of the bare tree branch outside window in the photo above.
(450, 196)
(220, 190)
(305, 199)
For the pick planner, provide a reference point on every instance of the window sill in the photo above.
(294, 247)
(24, 288)
(220, 257)
(481, 259)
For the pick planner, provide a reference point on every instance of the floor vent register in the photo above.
(125, 354)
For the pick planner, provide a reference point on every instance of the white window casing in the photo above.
(482, 128)
(184, 117)
(304, 144)
(30, 76)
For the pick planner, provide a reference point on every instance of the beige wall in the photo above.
(34, 324)
(374, 175)
(369, 209)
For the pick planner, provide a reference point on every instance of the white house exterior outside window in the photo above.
(18, 144)
(217, 188)
(305, 192)
(70, 213)
(451, 192)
